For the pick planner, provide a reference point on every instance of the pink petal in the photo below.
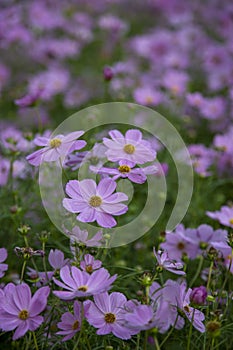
(73, 136)
(133, 135)
(116, 135)
(74, 205)
(87, 188)
(88, 215)
(72, 189)
(21, 330)
(106, 187)
(105, 220)
(3, 254)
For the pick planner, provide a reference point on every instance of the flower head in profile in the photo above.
(20, 310)
(79, 283)
(165, 263)
(224, 216)
(130, 147)
(70, 323)
(3, 267)
(107, 314)
(53, 148)
(95, 202)
(81, 237)
(126, 169)
(56, 259)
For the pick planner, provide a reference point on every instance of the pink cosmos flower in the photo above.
(130, 147)
(127, 169)
(224, 216)
(89, 264)
(20, 310)
(3, 267)
(79, 283)
(70, 323)
(95, 202)
(107, 314)
(164, 262)
(56, 147)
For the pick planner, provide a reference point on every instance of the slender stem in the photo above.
(212, 343)
(201, 260)
(190, 334)
(23, 270)
(145, 340)
(81, 330)
(169, 333)
(35, 341)
(138, 341)
(157, 347)
(62, 169)
(210, 273)
(44, 262)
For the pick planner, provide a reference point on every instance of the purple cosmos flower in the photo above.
(164, 262)
(40, 278)
(89, 264)
(56, 147)
(20, 310)
(28, 100)
(166, 310)
(198, 295)
(95, 202)
(180, 243)
(224, 216)
(141, 317)
(205, 236)
(56, 259)
(126, 170)
(177, 296)
(107, 314)
(81, 237)
(129, 147)
(70, 323)
(81, 284)
(94, 157)
(3, 267)
(148, 96)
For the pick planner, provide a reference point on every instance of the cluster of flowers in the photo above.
(99, 202)
(218, 156)
(108, 313)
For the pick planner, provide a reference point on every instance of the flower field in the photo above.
(116, 175)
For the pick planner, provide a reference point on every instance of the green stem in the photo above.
(201, 260)
(138, 341)
(210, 273)
(63, 171)
(169, 333)
(81, 330)
(35, 341)
(190, 334)
(145, 340)
(22, 271)
(157, 347)
(44, 262)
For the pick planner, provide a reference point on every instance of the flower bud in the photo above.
(198, 295)
(108, 73)
(24, 229)
(213, 327)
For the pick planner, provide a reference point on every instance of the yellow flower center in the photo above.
(75, 325)
(54, 143)
(124, 169)
(23, 315)
(110, 318)
(83, 288)
(95, 201)
(89, 268)
(129, 149)
(231, 221)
